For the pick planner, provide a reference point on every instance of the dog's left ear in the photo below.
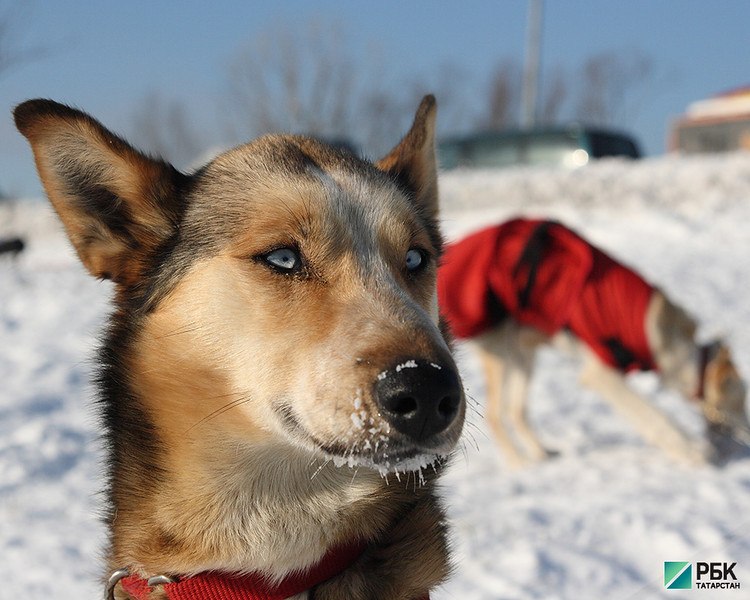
(412, 162)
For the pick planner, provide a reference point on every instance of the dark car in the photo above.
(572, 146)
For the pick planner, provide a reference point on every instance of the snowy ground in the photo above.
(596, 522)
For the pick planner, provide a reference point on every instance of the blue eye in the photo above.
(414, 259)
(286, 260)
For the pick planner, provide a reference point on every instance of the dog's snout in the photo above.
(419, 399)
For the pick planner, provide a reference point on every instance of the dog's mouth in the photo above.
(396, 458)
(382, 450)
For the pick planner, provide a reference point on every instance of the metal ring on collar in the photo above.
(159, 580)
(113, 580)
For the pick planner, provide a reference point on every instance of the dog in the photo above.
(520, 284)
(277, 391)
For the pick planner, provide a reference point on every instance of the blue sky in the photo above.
(106, 57)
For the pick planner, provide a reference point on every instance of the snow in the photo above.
(596, 521)
(409, 364)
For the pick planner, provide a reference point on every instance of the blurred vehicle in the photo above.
(566, 146)
(717, 124)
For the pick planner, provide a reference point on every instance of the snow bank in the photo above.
(595, 522)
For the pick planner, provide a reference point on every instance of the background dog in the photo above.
(274, 382)
(517, 285)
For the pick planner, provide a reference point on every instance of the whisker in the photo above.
(220, 411)
(464, 451)
(474, 405)
(477, 429)
(320, 468)
(472, 440)
(189, 328)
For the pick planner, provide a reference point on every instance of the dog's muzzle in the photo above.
(420, 399)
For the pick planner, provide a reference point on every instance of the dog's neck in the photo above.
(251, 586)
(251, 509)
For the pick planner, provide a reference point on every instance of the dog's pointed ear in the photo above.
(412, 162)
(117, 205)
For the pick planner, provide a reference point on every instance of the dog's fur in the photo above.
(232, 390)
(706, 375)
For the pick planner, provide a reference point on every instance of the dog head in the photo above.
(724, 394)
(284, 293)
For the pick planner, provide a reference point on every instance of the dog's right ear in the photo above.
(117, 205)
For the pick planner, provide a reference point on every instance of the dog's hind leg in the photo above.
(651, 423)
(507, 355)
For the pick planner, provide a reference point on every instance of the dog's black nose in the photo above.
(418, 398)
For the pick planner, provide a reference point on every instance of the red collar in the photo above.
(254, 586)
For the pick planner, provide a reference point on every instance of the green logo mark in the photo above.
(678, 575)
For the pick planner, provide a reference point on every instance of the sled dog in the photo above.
(520, 284)
(276, 389)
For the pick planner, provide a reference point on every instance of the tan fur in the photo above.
(724, 392)
(247, 387)
(670, 331)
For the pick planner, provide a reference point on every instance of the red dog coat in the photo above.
(544, 275)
